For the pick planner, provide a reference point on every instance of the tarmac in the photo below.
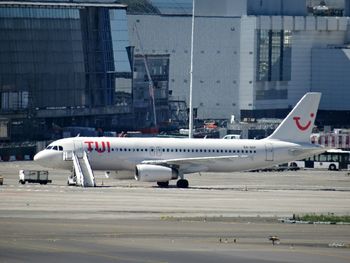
(221, 218)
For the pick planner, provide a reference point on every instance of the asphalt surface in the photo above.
(220, 218)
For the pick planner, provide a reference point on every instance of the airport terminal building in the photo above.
(80, 63)
(252, 59)
(63, 64)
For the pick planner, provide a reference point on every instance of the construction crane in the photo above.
(150, 81)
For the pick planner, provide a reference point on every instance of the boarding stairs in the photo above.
(82, 169)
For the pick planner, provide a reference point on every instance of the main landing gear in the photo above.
(163, 184)
(182, 183)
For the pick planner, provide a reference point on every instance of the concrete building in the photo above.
(252, 59)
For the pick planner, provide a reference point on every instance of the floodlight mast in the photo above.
(190, 122)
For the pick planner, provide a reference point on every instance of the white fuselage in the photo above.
(123, 154)
(163, 159)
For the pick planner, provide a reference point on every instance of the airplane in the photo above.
(164, 159)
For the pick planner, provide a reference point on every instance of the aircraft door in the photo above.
(158, 151)
(155, 151)
(78, 148)
(269, 152)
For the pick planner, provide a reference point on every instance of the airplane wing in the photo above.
(194, 165)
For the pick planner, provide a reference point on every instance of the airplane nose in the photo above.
(42, 158)
(48, 158)
(38, 156)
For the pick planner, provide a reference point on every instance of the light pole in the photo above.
(190, 123)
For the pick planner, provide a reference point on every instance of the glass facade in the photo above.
(105, 39)
(159, 69)
(273, 61)
(41, 58)
(63, 58)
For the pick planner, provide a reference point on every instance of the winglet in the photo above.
(297, 126)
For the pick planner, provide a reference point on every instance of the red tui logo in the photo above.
(303, 127)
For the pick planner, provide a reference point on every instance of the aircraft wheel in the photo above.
(163, 184)
(182, 183)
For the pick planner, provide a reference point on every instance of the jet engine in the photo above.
(154, 173)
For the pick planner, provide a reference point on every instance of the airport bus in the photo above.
(332, 160)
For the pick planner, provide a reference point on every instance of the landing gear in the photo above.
(163, 184)
(182, 183)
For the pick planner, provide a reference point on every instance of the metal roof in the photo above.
(62, 4)
(173, 7)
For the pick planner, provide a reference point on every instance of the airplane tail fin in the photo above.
(297, 126)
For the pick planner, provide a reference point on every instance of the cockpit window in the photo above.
(55, 148)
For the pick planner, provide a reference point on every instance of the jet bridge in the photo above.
(82, 172)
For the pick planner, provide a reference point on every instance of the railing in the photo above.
(89, 170)
(78, 171)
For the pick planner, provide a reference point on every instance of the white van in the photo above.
(232, 137)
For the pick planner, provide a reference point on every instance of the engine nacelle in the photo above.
(154, 173)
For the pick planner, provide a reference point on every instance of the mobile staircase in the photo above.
(81, 169)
